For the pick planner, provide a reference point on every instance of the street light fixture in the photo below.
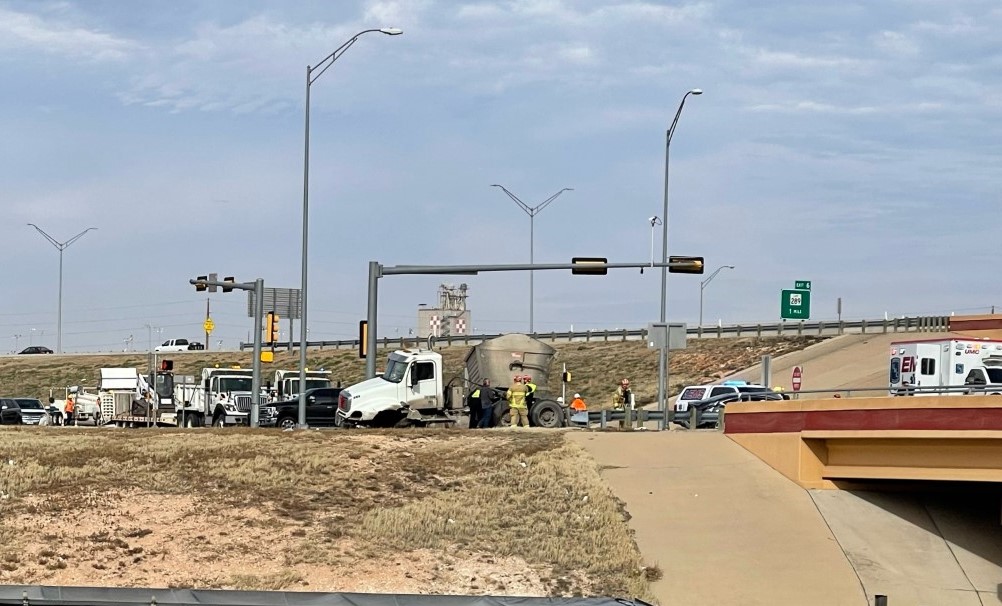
(320, 68)
(702, 285)
(663, 352)
(61, 246)
(532, 211)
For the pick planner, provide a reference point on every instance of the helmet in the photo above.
(527, 378)
(518, 378)
(577, 395)
(625, 382)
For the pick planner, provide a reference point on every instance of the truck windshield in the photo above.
(395, 371)
(234, 384)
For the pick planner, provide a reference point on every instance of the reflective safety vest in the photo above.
(530, 388)
(69, 405)
(475, 394)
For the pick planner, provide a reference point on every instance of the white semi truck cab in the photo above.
(409, 392)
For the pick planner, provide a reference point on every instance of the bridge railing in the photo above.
(775, 329)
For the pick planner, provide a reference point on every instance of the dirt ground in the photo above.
(452, 512)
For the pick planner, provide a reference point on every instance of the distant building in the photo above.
(450, 317)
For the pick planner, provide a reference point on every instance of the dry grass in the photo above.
(597, 367)
(410, 511)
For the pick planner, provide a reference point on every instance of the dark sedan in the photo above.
(36, 349)
(708, 410)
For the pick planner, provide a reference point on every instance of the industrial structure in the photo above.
(450, 318)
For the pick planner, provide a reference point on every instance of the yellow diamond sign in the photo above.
(208, 325)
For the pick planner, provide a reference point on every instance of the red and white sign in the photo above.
(798, 372)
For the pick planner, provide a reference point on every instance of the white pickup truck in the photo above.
(174, 345)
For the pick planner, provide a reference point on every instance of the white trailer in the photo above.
(222, 398)
(953, 362)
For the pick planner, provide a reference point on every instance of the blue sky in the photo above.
(853, 144)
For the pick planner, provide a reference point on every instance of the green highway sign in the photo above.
(802, 285)
(795, 305)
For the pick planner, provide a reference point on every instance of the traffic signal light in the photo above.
(363, 338)
(691, 265)
(271, 327)
(585, 262)
(166, 365)
(201, 286)
(231, 280)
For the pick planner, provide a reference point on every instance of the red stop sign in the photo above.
(798, 372)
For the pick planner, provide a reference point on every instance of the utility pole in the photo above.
(61, 246)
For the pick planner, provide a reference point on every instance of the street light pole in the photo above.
(61, 246)
(702, 285)
(320, 68)
(532, 211)
(663, 352)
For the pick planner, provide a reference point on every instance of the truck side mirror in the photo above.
(414, 379)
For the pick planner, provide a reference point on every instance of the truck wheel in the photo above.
(502, 415)
(404, 423)
(190, 420)
(219, 421)
(286, 423)
(548, 414)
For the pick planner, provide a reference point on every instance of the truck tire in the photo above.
(548, 414)
(191, 420)
(286, 423)
(219, 421)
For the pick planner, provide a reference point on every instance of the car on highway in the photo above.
(36, 349)
(708, 410)
(321, 409)
(695, 393)
(21, 411)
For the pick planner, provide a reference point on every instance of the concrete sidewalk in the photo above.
(724, 527)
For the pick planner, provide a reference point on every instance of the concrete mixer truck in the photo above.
(412, 391)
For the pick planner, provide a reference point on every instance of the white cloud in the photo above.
(25, 31)
(809, 106)
(780, 59)
(896, 43)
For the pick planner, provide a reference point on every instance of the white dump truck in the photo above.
(412, 391)
(286, 382)
(953, 362)
(222, 397)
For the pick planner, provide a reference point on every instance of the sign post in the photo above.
(798, 373)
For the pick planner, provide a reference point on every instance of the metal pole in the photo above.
(663, 357)
(532, 261)
(59, 313)
(306, 235)
(256, 380)
(375, 272)
(702, 285)
(207, 316)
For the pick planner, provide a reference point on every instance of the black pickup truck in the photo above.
(321, 409)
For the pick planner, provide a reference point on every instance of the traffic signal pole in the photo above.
(204, 283)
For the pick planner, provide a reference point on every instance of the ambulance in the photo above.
(956, 362)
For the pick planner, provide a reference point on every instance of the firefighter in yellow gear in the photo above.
(517, 405)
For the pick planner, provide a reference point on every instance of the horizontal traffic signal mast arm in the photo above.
(688, 265)
(227, 284)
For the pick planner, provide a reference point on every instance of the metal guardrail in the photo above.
(776, 329)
